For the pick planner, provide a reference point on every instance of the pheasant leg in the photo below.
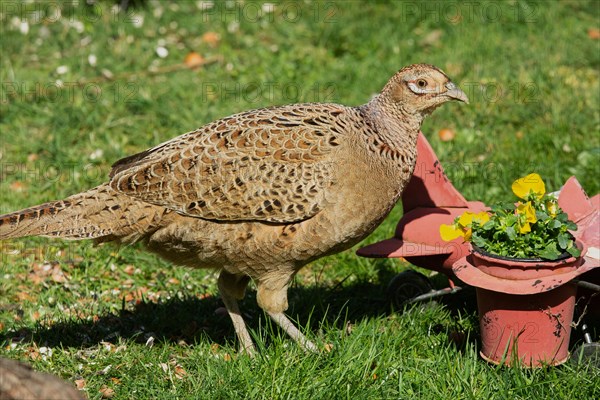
(232, 287)
(291, 330)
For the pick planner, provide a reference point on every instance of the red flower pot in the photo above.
(532, 329)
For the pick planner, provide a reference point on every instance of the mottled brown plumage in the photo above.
(18, 381)
(258, 194)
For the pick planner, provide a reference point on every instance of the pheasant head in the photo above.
(420, 89)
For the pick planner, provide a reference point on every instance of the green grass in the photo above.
(97, 308)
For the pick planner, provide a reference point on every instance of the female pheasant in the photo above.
(259, 194)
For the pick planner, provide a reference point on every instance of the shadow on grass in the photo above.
(193, 320)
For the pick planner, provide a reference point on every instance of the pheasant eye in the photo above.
(421, 83)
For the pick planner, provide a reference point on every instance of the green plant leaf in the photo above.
(510, 231)
(574, 251)
(571, 225)
(479, 241)
(511, 220)
(562, 217)
(563, 240)
(488, 226)
(550, 252)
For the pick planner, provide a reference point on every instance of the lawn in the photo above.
(84, 85)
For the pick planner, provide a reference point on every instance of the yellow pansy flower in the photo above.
(467, 218)
(528, 211)
(524, 228)
(530, 183)
(450, 232)
(482, 217)
(462, 226)
(552, 208)
(526, 214)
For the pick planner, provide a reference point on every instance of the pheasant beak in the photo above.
(455, 93)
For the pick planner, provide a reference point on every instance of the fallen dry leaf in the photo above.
(42, 270)
(180, 373)
(33, 353)
(446, 135)
(193, 60)
(35, 279)
(24, 296)
(58, 275)
(108, 346)
(106, 392)
(80, 383)
(211, 38)
(214, 348)
(116, 381)
(129, 270)
(17, 186)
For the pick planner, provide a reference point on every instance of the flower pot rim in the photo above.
(473, 276)
(564, 257)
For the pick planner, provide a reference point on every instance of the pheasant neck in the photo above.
(395, 129)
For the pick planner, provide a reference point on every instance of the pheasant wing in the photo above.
(270, 165)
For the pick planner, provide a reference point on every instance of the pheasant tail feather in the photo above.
(99, 213)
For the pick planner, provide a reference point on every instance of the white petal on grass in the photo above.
(162, 52)
(62, 69)
(157, 12)
(107, 73)
(137, 20)
(96, 154)
(85, 41)
(24, 27)
(77, 25)
(92, 59)
(233, 27)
